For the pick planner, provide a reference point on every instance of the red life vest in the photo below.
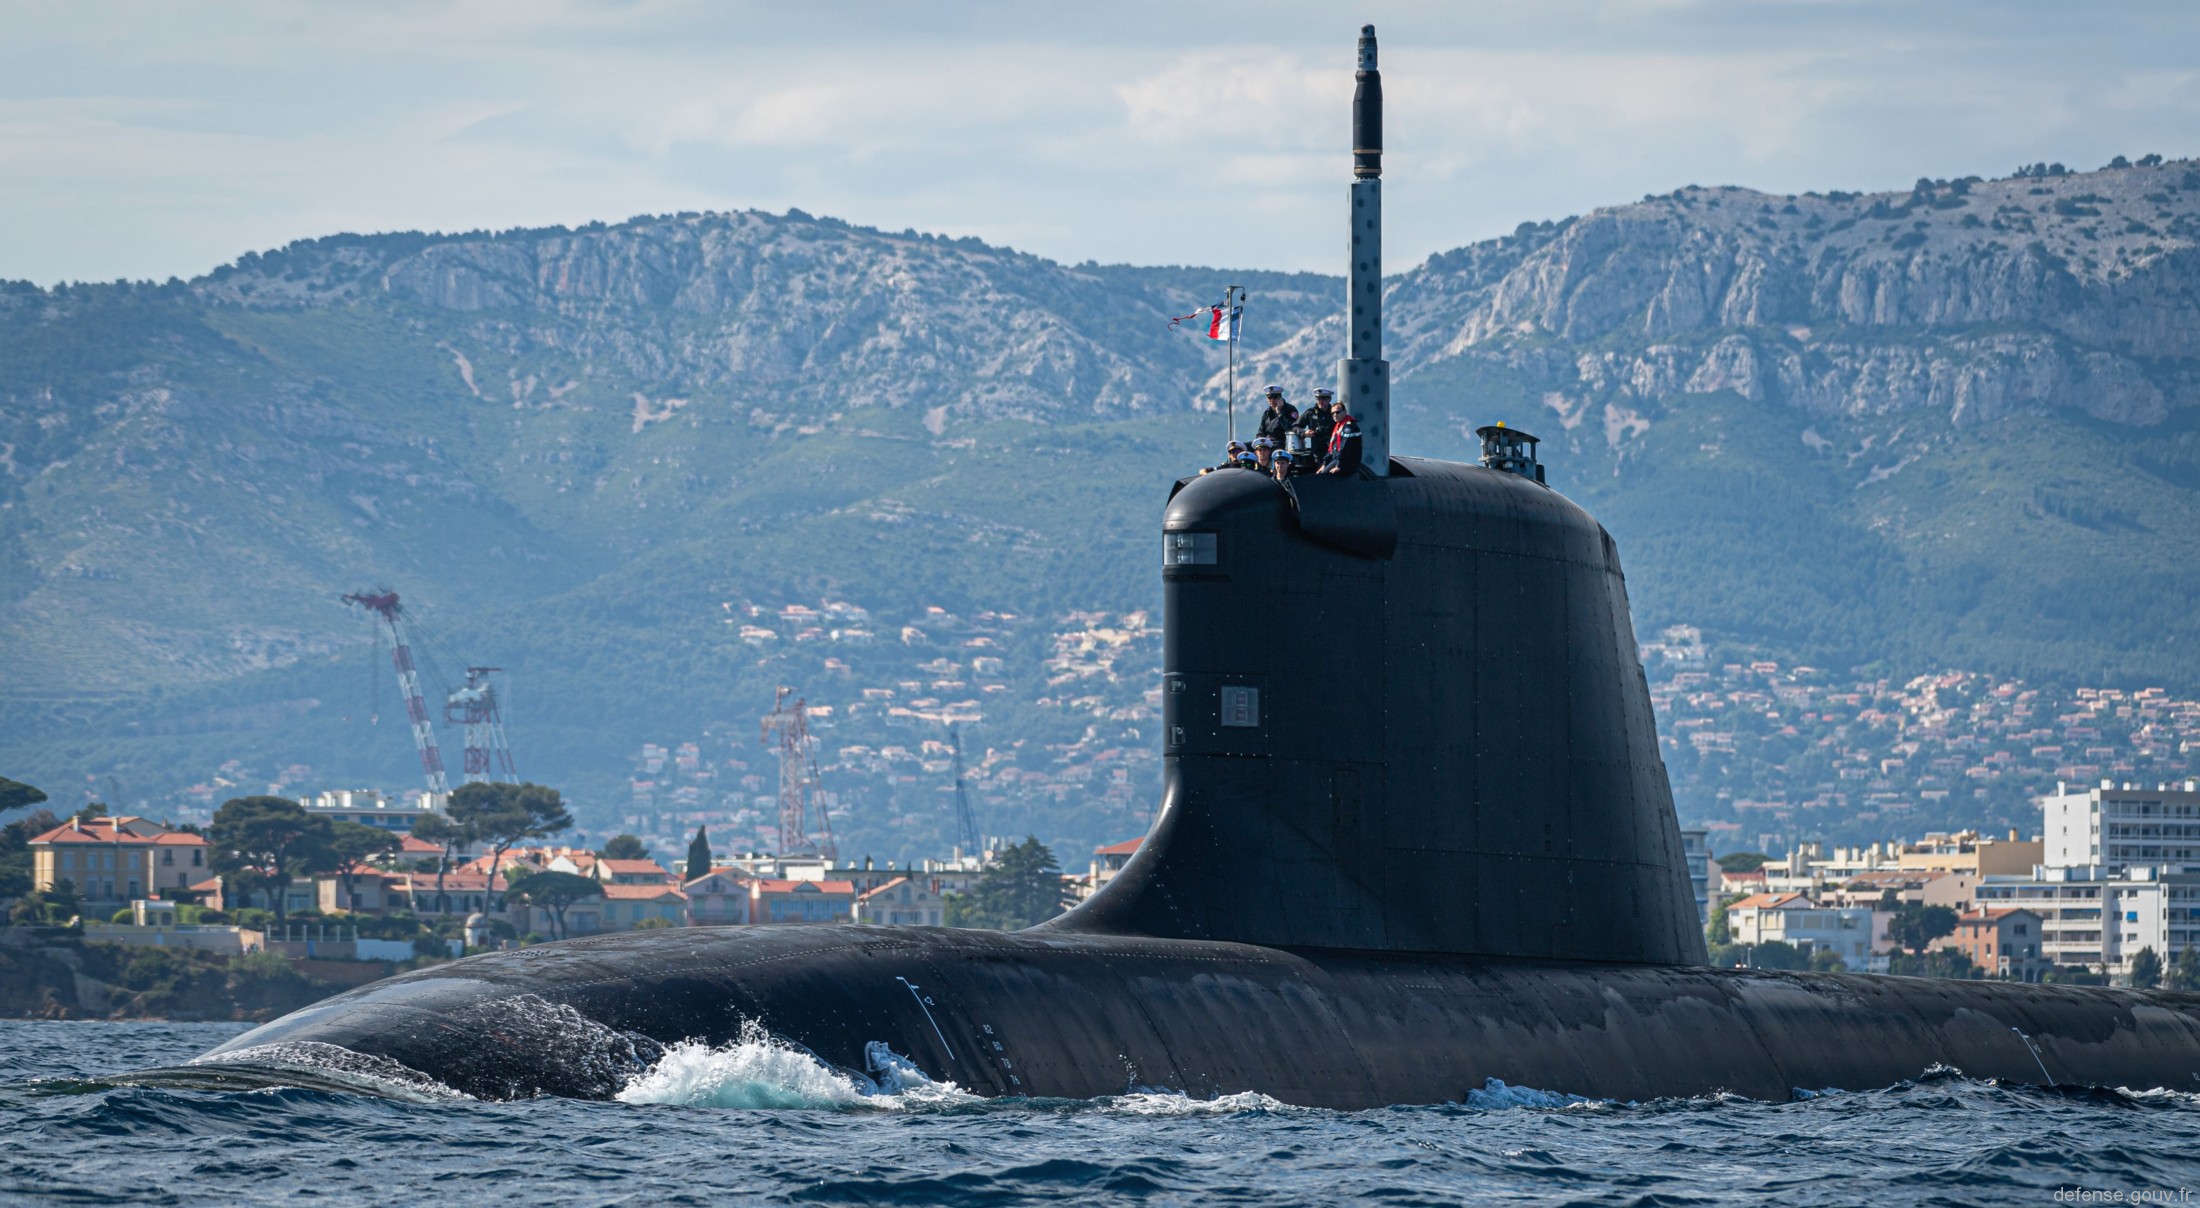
(1346, 426)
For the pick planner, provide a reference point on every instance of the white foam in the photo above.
(2161, 1094)
(1177, 1103)
(334, 1064)
(1496, 1095)
(756, 1070)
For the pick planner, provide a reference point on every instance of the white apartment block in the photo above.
(2094, 916)
(2115, 827)
(366, 807)
(1852, 932)
(1696, 850)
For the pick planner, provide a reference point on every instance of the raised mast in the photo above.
(1363, 376)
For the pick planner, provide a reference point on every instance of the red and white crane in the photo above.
(384, 605)
(800, 786)
(488, 752)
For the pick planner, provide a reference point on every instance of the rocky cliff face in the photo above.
(791, 312)
(1971, 298)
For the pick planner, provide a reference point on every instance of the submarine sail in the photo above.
(1446, 854)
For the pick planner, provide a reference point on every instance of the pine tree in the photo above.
(1022, 888)
(698, 856)
(2184, 970)
(2146, 970)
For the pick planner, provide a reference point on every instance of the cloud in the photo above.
(145, 139)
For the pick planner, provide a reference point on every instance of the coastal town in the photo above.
(1951, 824)
(1055, 716)
(2104, 887)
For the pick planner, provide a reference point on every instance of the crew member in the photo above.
(1229, 458)
(1283, 462)
(1264, 451)
(1276, 422)
(1344, 446)
(1318, 423)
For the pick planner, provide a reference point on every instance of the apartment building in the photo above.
(2113, 827)
(2094, 917)
(2002, 943)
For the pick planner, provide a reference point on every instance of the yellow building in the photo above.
(1972, 853)
(111, 862)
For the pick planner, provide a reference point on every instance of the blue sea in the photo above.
(757, 1123)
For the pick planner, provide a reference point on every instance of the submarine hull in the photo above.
(1054, 1014)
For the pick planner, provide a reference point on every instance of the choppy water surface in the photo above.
(754, 1122)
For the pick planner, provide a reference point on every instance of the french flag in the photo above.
(1222, 321)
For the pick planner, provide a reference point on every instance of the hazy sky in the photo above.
(159, 138)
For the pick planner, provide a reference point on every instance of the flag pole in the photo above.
(1230, 295)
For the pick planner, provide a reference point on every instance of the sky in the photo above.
(165, 138)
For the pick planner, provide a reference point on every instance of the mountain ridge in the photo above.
(1854, 440)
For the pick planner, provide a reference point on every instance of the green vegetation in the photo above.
(353, 847)
(2146, 969)
(2073, 975)
(1940, 962)
(64, 977)
(15, 851)
(505, 815)
(1915, 926)
(1743, 861)
(553, 891)
(15, 795)
(1022, 888)
(2184, 970)
(624, 847)
(265, 842)
(698, 861)
(578, 486)
(451, 836)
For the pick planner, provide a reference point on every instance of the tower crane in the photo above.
(384, 604)
(966, 821)
(488, 752)
(799, 783)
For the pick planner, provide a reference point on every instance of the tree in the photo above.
(553, 891)
(273, 837)
(352, 845)
(1940, 962)
(15, 795)
(1773, 954)
(1914, 925)
(15, 851)
(624, 847)
(2146, 967)
(2184, 970)
(56, 905)
(440, 830)
(1743, 861)
(1022, 888)
(1721, 929)
(501, 815)
(698, 865)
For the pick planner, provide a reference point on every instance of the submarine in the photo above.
(1443, 853)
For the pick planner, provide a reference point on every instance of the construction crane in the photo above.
(966, 821)
(384, 604)
(800, 786)
(488, 752)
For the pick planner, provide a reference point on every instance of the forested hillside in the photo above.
(634, 464)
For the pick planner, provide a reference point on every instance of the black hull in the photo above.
(1075, 1016)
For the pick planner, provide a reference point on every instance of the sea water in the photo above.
(755, 1121)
